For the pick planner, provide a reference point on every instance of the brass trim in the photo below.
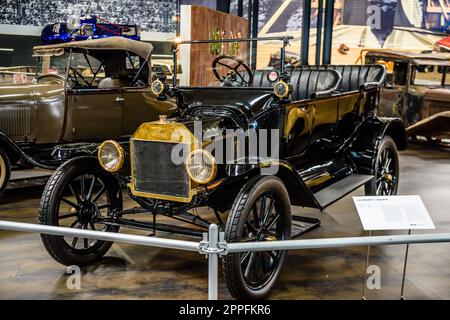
(213, 165)
(316, 181)
(270, 163)
(162, 119)
(121, 155)
(172, 132)
(285, 85)
(153, 89)
(214, 185)
(192, 190)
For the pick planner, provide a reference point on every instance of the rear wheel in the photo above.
(5, 171)
(261, 212)
(78, 195)
(386, 170)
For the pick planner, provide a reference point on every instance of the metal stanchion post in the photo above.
(365, 270)
(213, 262)
(402, 297)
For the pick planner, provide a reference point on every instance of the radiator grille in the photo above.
(16, 120)
(154, 171)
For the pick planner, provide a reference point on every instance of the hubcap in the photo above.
(83, 203)
(86, 212)
(387, 173)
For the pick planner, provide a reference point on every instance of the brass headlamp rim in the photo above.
(286, 87)
(212, 161)
(121, 153)
(162, 87)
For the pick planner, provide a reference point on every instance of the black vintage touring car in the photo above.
(328, 141)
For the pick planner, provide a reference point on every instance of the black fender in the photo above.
(69, 151)
(239, 174)
(66, 152)
(92, 161)
(15, 153)
(60, 153)
(395, 128)
(364, 147)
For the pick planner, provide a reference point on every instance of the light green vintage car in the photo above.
(83, 92)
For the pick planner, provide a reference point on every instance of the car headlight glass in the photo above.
(157, 87)
(201, 166)
(111, 156)
(281, 89)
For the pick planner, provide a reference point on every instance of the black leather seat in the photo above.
(355, 77)
(311, 81)
(306, 83)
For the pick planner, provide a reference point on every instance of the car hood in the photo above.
(31, 92)
(208, 113)
(239, 105)
(249, 101)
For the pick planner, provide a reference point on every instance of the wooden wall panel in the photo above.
(203, 23)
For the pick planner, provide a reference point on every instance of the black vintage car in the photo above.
(319, 124)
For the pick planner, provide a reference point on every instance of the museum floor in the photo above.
(137, 272)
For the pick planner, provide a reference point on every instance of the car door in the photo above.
(425, 79)
(310, 128)
(323, 131)
(298, 128)
(95, 103)
(351, 106)
(96, 114)
(393, 102)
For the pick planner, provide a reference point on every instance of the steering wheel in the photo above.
(233, 76)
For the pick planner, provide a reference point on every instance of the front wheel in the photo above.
(79, 195)
(386, 170)
(261, 212)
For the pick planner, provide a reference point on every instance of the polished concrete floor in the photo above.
(137, 272)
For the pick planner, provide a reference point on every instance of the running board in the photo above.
(148, 226)
(302, 225)
(340, 189)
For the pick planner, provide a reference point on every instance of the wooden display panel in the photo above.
(200, 23)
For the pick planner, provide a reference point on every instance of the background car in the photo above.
(417, 90)
(83, 92)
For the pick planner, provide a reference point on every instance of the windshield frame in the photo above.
(70, 67)
(176, 47)
(67, 54)
(39, 62)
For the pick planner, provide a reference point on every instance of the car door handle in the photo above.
(119, 99)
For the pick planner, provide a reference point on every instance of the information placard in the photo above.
(393, 213)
